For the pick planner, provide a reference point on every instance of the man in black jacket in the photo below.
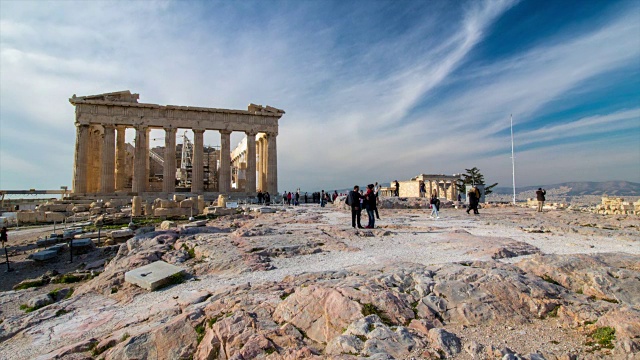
(353, 200)
(540, 196)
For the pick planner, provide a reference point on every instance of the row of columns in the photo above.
(112, 159)
(434, 185)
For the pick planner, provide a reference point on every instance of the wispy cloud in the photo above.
(359, 106)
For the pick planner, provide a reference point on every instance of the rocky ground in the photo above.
(301, 283)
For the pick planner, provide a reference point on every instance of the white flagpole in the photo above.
(513, 163)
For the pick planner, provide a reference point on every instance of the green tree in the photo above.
(473, 177)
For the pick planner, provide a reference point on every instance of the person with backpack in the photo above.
(540, 195)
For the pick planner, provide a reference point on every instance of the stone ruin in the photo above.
(100, 164)
(533, 203)
(617, 206)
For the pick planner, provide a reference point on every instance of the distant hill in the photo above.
(611, 188)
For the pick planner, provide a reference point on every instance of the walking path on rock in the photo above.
(402, 236)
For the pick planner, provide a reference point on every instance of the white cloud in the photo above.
(349, 118)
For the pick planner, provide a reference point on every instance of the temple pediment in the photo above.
(118, 96)
(253, 108)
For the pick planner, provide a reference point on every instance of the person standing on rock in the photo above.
(370, 204)
(423, 189)
(353, 200)
(540, 195)
(474, 199)
(376, 190)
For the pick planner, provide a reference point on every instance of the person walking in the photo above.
(540, 195)
(423, 189)
(353, 200)
(474, 199)
(260, 195)
(297, 198)
(397, 192)
(370, 204)
(322, 198)
(435, 205)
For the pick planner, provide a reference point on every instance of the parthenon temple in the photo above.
(104, 164)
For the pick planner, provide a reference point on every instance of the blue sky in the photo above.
(373, 90)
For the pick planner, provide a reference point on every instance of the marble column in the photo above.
(121, 156)
(224, 176)
(259, 164)
(147, 160)
(250, 186)
(197, 171)
(80, 160)
(140, 163)
(107, 177)
(169, 169)
(263, 164)
(430, 188)
(272, 160)
(94, 156)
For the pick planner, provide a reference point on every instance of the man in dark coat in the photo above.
(474, 200)
(540, 196)
(353, 200)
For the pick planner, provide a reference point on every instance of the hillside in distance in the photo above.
(577, 188)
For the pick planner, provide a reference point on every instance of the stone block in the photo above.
(201, 204)
(51, 216)
(40, 216)
(44, 255)
(24, 217)
(172, 212)
(152, 276)
(78, 243)
(178, 197)
(96, 204)
(147, 209)
(80, 208)
(136, 206)
(196, 224)
(68, 234)
(166, 225)
(266, 210)
(186, 204)
(58, 248)
(224, 211)
(121, 234)
(222, 201)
